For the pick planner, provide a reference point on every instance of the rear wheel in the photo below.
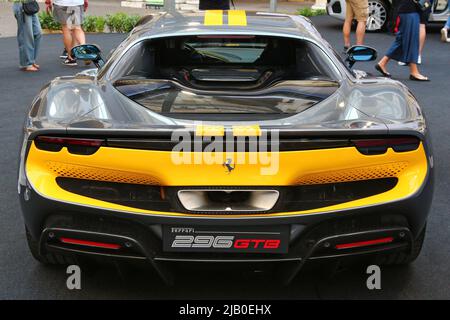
(378, 16)
(48, 258)
(399, 258)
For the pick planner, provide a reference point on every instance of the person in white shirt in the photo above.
(70, 13)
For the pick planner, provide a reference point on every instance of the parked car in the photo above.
(381, 12)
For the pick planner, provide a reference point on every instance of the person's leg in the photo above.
(346, 29)
(422, 37)
(393, 52)
(383, 63)
(361, 11)
(74, 39)
(414, 71)
(77, 31)
(25, 38)
(67, 38)
(79, 35)
(37, 35)
(360, 32)
(444, 31)
(411, 45)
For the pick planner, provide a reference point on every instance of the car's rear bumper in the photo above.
(312, 236)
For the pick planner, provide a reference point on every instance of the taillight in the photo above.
(74, 145)
(88, 243)
(366, 243)
(380, 146)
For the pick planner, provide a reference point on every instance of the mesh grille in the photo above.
(98, 174)
(388, 170)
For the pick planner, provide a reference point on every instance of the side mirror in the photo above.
(360, 53)
(88, 52)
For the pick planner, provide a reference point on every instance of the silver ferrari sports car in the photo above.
(225, 137)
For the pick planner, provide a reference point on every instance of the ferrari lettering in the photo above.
(257, 243)
(223, 242)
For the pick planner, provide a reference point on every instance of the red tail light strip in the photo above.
(90, 243)
(364, 243)
(364, 143)
(71, 141)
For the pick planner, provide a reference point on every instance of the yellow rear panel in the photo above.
(158, 168)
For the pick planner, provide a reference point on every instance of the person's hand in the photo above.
(86, 4)
(48, 6)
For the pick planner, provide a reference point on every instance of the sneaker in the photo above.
(444, 35)
(403, 64)
(70, 62)
(64, 55)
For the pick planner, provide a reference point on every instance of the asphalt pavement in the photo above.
(21, 277)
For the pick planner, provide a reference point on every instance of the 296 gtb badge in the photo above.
(226, 239)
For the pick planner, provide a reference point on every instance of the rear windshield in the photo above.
(225, 51)
(289, 59)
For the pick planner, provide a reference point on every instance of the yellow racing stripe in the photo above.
(247, 131)
(213, 17)
(209, 131)
(237, 18)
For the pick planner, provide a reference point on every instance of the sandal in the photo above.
(31, 68)
(36, 66)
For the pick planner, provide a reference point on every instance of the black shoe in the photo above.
(385, 74)
(70, 62)
(411, 77)
(64, 55)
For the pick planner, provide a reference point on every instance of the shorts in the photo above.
(357, 9)
(72, 16)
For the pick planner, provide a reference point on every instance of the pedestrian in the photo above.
(406, 45)
(359, 10)
(444, 31)
(70, 14)
(29, 35)
(214, 5)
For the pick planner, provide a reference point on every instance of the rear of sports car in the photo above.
(254, 160)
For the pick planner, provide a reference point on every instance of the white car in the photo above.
(380, 12)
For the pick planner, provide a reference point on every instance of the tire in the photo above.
(378, 16)
(403, 258)
(48, 258)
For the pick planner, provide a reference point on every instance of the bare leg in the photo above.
(414, 71)
(383, 62)
(360, 32)
(67, 39)
(79, 35)
(74, 40)
(422, 37)
(346, 31)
